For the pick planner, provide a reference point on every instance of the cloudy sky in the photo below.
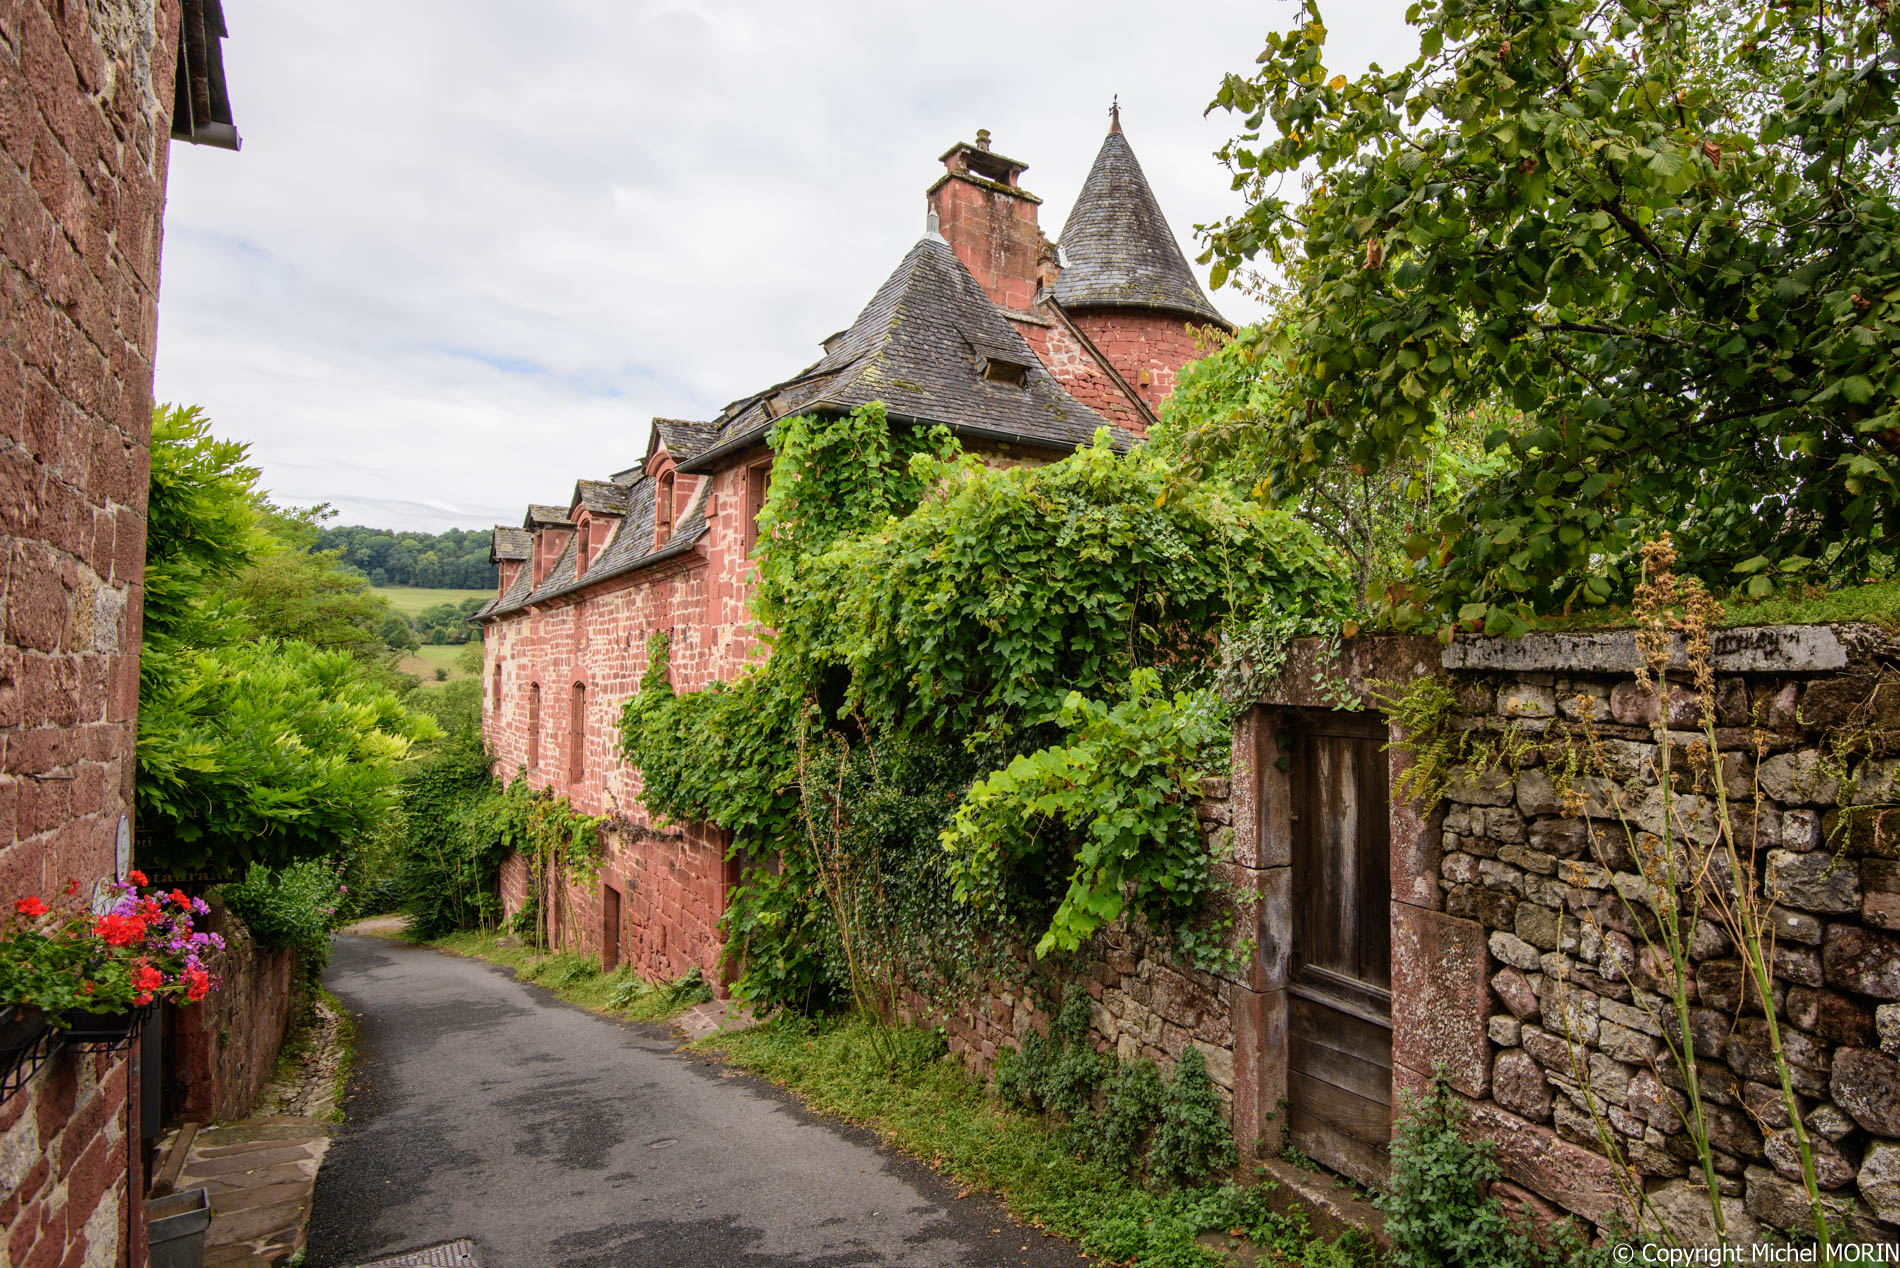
(470, 247)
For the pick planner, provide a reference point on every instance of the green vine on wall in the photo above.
(557, 840)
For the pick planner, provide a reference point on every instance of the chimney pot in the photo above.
(983, 139)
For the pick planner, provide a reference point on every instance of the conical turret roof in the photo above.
(1117, 249)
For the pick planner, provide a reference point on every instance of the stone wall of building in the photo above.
(85, 112)
(671, 884)
(1146, 347)
(223, 1050)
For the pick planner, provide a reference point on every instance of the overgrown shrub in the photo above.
(1192, 1141)
(447, 860)
(1437, 1207)
(1131, 1111)
(295, 907)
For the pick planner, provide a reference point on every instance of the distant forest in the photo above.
(455, 560)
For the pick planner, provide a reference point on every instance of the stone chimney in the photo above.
(989, 220)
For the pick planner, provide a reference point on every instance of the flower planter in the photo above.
(24, 1045)
(103, 1032)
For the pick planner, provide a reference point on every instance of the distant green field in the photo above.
(425, 662)
(411, 600)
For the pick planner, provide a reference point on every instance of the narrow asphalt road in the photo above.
(483, 1107)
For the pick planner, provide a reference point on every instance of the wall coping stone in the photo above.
(1761, 649)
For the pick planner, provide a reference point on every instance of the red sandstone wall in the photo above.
(224, 1050)
(1082, 377)
(671, 884)
(85, 106)
(1147, 348)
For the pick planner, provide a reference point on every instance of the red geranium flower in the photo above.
(29, 907)
(135, 876)
(120, 931)
(197, 984)
(178, 896)
(72, 886)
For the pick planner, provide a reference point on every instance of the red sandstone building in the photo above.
(1022, 347)
(88, 96)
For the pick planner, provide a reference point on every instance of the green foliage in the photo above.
(1192, 1141)
(1667, 239)
(201, 530)
(293, 592)
(1228, 418)
(297, 906)
(1123, 787)
(266, 730)
(1131, 1111)
(446, 865)
(1437, 1209)
(975, 616)
(264, 752)
(448, 622)
(931, 619)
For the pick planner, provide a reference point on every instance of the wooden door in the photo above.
(609, 928)
(1339, 987)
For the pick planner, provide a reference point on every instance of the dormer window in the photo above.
(998, 370)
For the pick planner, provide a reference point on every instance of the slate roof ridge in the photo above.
(1117, 248)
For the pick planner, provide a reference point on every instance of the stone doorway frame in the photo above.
(1440, 987)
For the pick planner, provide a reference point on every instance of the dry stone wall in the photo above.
(1548, 860)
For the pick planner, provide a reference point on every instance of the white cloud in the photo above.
(470, 248)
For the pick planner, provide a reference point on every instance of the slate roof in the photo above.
(1117, 249)
(541, 513)
(512, 544)
(918, 347)
(600, 497)
(627, 550)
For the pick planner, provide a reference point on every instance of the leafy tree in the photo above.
(296, 592)
(252, 747)
(201, 531)
(1227, 419)
(1566, 207)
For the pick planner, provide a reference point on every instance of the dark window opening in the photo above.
(758, 482)
(577, 736)
(534, 726)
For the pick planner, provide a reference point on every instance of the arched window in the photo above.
(577, 735)
(534, 726)
(663, 509)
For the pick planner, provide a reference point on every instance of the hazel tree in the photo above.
(1666, 239)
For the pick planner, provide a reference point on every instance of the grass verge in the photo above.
(578, 979)
(922, 1102)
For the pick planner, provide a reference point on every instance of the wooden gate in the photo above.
(1339, 997)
